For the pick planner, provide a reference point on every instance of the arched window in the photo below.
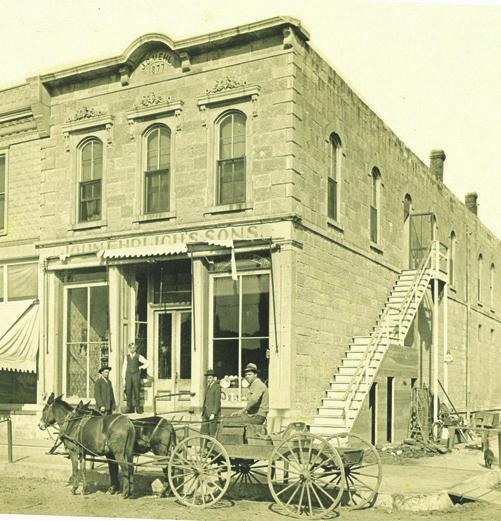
(452, 258)
(407, 206)
(479, 277)
(157, 170)
(230, 184)
(90, 180)
(375, 204)
(491, 285)
(334, 179)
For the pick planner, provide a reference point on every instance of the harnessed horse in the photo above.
(112, 436)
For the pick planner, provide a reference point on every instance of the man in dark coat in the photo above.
(103, 391)
(212, 405)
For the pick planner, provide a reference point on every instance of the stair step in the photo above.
(346, 370)
(343, 387)
(328, 402)
(326, 430)
(330, 421)
(334, 412)
(351, 362)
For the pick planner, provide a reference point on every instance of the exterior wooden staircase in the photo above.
(353, 378)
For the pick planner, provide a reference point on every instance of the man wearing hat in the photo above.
(212, 405)
(103, 391)
(257, 407)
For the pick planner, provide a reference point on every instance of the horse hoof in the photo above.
(74, 491)
(112, 490)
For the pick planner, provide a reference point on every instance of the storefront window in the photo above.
(87, 347)
(22, 281)
(172, 283)
(240, 330)
(141, 337)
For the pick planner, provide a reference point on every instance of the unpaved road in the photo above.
(32, 497)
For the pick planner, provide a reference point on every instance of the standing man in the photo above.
(257, 407)
(212, 405)
(133, 364)
(103, 391)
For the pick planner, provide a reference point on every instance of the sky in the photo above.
(430, 70)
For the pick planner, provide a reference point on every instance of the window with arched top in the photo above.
(407, 206)
(491, 284)
(90, 180)
(334, 179)
(479, 277)
(230, 182)
(157, 173)
(452, 258)
(375, 216)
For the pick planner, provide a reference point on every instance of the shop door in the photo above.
(172, 353)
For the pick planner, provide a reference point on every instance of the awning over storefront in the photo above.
(143, 251)
(19, 335)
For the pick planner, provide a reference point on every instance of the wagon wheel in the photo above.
(306, 476)
(199, 471)
(362, 467)
(247, 472)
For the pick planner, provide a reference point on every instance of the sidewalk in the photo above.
(424, 480)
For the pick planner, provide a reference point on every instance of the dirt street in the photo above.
(32, 497)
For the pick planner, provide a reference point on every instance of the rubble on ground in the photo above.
(410, 449)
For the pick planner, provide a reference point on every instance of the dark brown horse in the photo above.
(154, 434)
(83, 433)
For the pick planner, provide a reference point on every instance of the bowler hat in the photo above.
(250, 367)
(210, 372)
(104, 368)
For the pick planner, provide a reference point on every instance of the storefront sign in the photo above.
(206, 235)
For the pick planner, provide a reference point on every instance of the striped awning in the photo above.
(19, 335)
(143, 251)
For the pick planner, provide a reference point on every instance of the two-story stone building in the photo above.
(228, 199)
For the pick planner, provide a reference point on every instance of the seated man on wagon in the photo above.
(256, 410)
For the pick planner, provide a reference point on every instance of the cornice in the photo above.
(183, 48)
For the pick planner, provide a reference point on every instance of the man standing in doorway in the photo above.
(212, 405)
(103, 391)
(257, 407)
(133, 364)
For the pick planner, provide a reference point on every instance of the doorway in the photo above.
(373, 413)
(172, 352)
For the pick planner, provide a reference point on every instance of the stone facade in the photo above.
(330, 280)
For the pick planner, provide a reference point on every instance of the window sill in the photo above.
(3, 233)
(332, 223)
(223, 208)
(88, 225)
(148, 217)
(374, 246)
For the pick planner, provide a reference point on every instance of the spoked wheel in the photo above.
(362, 467)
(306, 476)
(199, 471)
(247, 472)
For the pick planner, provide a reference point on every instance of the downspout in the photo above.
(467, 340)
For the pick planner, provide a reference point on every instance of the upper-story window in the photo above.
(452, 258)
(3, 188)
(90, 181)
(334, 179)
(479, 277)
(157, 170)
(230, 185)
(491, 284)
(375, 205)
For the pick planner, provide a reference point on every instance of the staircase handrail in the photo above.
(384, 328)
(363, 365)
(412, 291)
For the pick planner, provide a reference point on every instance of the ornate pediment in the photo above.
(85, 113)
(150, 100)
(226, 84)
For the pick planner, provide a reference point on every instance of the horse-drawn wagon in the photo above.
(307, 475)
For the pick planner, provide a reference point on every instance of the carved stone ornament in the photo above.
(150, 100)
(226, 83)
(85, 113)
